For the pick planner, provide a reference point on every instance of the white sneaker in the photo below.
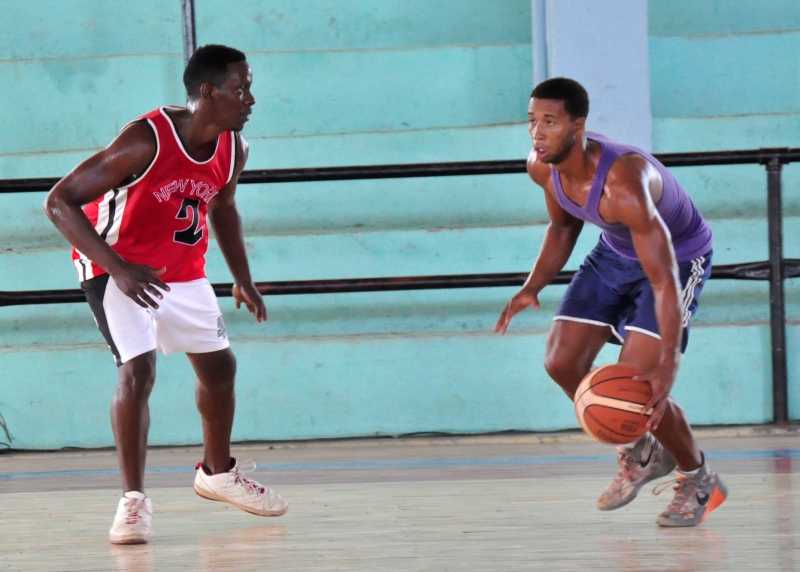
(234, 488)
(132, 521)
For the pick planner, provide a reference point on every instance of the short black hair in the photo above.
(209, 64)
(574, 96)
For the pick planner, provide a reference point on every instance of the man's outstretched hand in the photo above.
(522, 300)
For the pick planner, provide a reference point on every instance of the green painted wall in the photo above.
(360, 82)
(724, 75)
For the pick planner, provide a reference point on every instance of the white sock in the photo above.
(697, 470)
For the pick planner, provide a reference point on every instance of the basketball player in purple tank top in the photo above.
(639, 286)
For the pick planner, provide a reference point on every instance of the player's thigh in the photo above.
(126, 326)
(589, 313)
(137, 376)
(572, 347)
(189, 319)
(641, 349)
(214, 369)
(693, 275)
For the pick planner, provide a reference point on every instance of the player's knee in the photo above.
(136, 382)
(556, 366)
(565, 371)
(227, 368)
(219, 374)
(674, 408)
(226, 378)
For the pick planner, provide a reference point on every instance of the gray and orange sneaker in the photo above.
(695, 497)
(645, 461)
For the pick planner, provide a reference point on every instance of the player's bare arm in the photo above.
(560, 235)
(121, 162)
(227, 224)
(559, 240)
(629, 201)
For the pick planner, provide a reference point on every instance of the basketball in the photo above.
(608, 404)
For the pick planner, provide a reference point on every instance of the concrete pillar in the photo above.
(603, 44)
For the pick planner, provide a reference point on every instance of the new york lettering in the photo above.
(199, 189)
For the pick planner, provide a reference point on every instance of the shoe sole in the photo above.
(122, 540)
(717, 498)
(208, 495)
(636, 489)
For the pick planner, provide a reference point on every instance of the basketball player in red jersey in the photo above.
(136, 215)
(639, 286)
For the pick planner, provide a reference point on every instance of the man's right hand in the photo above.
(522, 300)
(139, 282)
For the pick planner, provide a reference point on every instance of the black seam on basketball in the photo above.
(647, 397)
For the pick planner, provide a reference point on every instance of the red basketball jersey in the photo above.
(160, 218)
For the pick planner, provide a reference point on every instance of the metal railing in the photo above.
(775, 270)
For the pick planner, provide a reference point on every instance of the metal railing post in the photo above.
(189, 36)
(777, 301)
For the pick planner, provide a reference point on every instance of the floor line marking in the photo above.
(403, 463)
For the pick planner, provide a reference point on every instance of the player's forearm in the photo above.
(557, 246)
(227, 225)
(668, 314)
(70, 220)
(667, 298)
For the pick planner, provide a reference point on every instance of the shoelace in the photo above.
(132, 508)
(626, 461)
(684, 493)
(251, 485)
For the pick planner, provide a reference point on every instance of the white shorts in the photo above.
(188, 319)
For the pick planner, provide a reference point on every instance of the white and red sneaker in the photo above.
(132, 522)
(234, 488)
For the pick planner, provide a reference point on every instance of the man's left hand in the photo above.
(249, 295)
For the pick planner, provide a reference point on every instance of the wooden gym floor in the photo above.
(488, 503)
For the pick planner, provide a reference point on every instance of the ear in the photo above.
(579, 124)
(207, 91)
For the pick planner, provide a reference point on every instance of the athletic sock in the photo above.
(697, 470)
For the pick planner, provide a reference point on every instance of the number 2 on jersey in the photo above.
(189, 235)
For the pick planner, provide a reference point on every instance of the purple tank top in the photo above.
(691, 235)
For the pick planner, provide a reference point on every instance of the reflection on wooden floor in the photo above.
(484, 503)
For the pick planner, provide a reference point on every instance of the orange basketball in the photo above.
(608, 404)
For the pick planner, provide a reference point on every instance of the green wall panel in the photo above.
(391, 253)
(432, 203)
(81, 103)
(358, 82)
(316, 93)
(727, 75)
(277, 25)
(752, 131)
(363, 386)
(723, 303)
(35, 29)
(724, 17)
(472, 143)
(427, 145)
(793, 363)
(723, 192)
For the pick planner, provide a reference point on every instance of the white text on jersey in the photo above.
(201, 190)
